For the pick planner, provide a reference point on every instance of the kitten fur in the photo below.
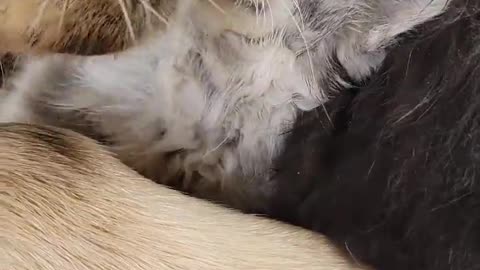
(395, 181)
(203, 105)
(77, 26)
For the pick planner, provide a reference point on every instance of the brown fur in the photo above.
(65, 203)
(73, 26)
(81, 27)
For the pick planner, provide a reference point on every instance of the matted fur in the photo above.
(65, 203)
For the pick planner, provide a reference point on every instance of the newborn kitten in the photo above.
(204, 104)
(396, 180)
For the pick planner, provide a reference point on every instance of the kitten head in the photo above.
(355, 32)
(329, 42)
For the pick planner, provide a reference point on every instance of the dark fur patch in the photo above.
(7, 67)
(395, 181)
(43, 105)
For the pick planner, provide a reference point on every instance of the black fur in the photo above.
(394, 175)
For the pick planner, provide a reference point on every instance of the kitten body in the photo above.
(204, 104)
(395, 180)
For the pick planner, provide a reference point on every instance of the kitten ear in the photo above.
(399, 16)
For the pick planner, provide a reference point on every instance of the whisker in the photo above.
(127, 19)
(255, 4)
(308, 52)
(41, 12)
(215, 5)
(146, 4)
(62, 17)
(210, 151)
(271, 14)
(2, 70)
(263, 5)
(300, 31)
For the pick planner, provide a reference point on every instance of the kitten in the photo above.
(395, 181)
(204, 104)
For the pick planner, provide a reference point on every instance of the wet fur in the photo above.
(66, 203)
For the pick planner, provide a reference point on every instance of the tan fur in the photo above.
(65, 203)
(73, 26)
(81, 27)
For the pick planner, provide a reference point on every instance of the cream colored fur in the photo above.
(65, 203)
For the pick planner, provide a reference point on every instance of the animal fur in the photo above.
(7, 67)
(395, 181)
(206, 105)
(66, 203)
(76, 26)
(203, 105)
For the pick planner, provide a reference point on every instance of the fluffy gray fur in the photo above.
(203, 104)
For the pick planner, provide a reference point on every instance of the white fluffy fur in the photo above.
(221, 86)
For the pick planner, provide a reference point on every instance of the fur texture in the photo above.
(7, 67)
(76, 26)
(395, 181)
(203, 105)
(66, 203)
